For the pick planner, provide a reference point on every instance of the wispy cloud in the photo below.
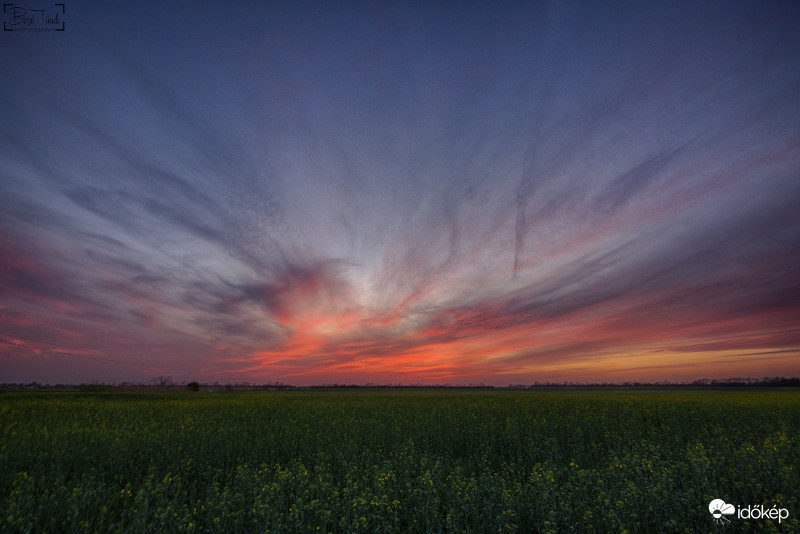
(408, 194)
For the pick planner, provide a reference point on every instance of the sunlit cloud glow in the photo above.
(403, 194)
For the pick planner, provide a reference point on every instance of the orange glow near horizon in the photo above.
(330, 348)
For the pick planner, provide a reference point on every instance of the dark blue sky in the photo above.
(455, 193)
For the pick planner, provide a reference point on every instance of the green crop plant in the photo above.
(396, 461)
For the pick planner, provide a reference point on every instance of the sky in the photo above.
(407, 192)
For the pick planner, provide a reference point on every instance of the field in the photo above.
(397, 461)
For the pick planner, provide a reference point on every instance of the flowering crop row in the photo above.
(395, 461)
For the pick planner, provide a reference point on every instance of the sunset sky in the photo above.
(401, 193)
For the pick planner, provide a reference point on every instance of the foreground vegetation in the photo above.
(396, 461)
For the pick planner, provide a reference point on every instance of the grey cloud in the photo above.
(473, 172)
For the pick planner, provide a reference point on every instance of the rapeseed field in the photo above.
(397, 461)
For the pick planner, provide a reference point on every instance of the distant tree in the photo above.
(193, 386)
(163, 381)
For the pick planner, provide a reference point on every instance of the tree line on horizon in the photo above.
(167, 383)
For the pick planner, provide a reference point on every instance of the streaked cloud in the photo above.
(404, 194)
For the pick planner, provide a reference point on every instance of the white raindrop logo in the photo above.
(719, 509)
